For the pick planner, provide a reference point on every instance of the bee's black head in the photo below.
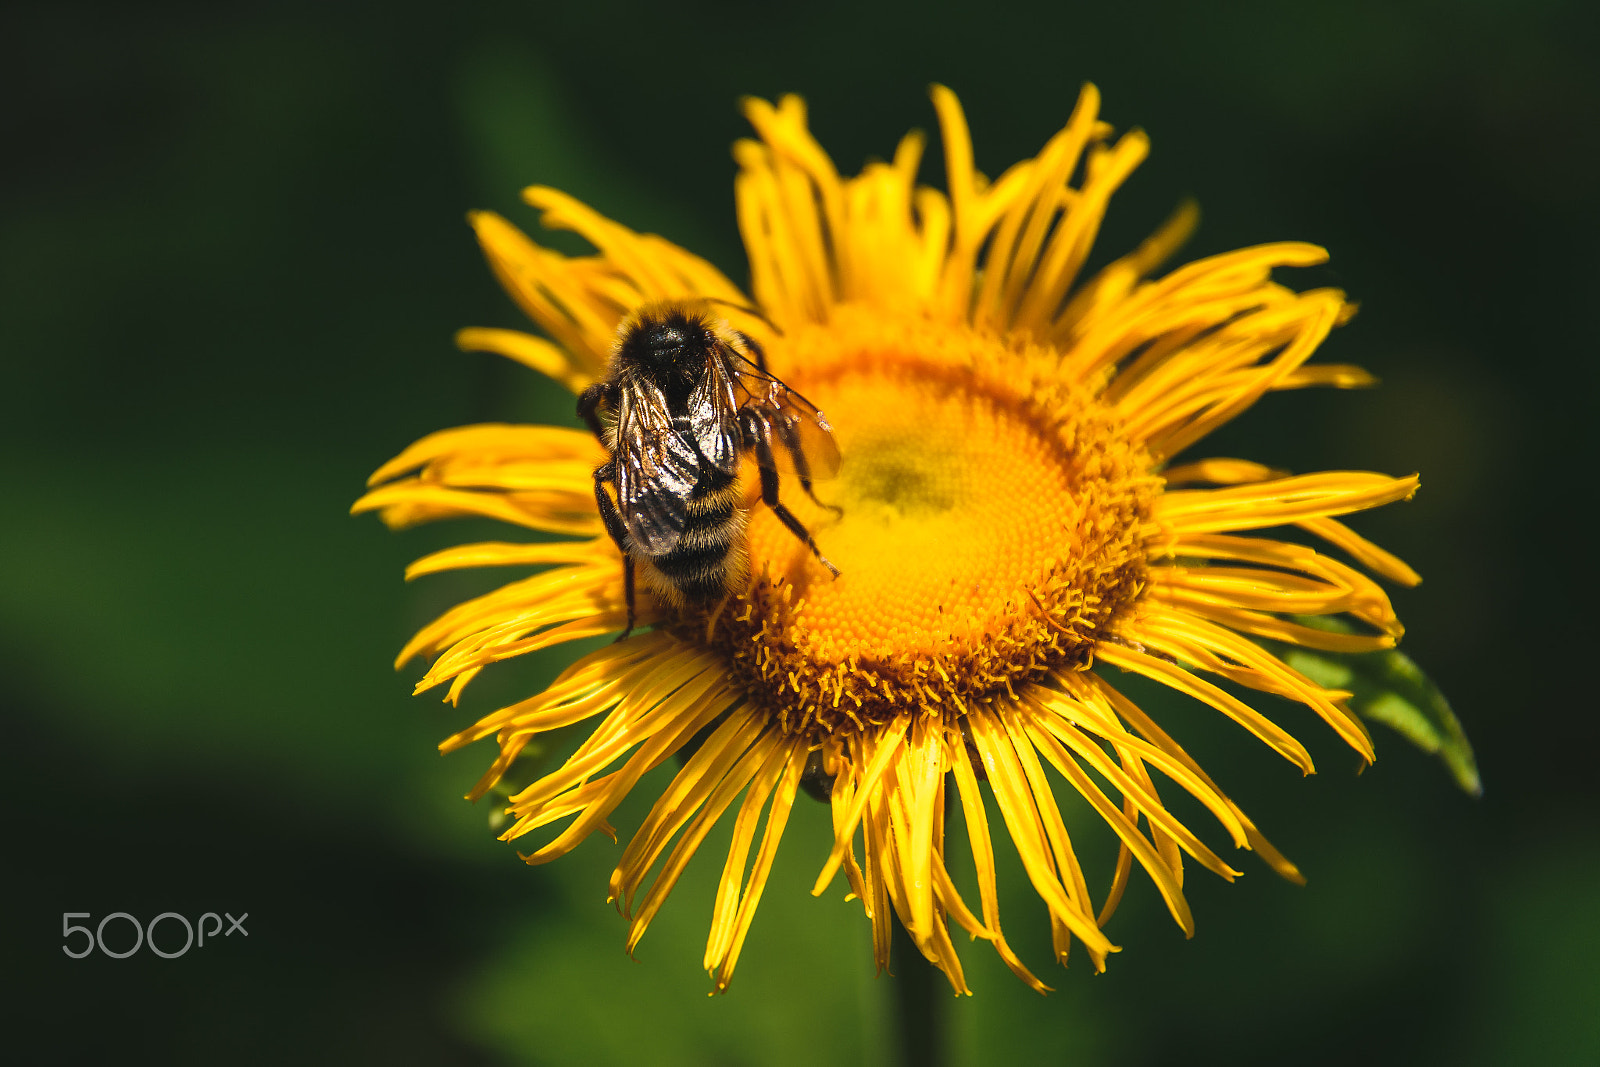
(673, 344)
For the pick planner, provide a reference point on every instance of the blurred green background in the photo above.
(232, 256)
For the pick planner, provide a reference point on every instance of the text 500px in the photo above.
(122, 926)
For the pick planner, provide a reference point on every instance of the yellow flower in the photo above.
(1010, 526)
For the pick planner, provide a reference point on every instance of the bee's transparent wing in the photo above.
(714, 413)
(656, 471)
(804, 432)
(799, 430)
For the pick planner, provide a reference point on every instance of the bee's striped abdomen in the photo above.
(709, 556)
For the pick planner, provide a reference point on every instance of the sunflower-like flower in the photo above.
(1005, 522)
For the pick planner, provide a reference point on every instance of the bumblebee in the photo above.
(687, 398)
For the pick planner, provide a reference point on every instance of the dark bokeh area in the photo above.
(232, 257)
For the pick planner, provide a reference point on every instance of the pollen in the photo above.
(987, 527)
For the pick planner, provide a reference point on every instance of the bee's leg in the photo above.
(618, 530)
(791, 444)
(627, 595)
(588, 402)
(607, 472)
(769, 497)
(753, 429)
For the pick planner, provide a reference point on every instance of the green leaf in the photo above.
(1388, 687)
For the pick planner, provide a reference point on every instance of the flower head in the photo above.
(1005, 522)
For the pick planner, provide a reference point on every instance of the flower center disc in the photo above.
(991, 525)
(952, 505)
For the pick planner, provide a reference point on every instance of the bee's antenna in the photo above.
(754, 312)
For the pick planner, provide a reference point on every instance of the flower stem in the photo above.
(920, 992)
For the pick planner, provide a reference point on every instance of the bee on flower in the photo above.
(1006, 522)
